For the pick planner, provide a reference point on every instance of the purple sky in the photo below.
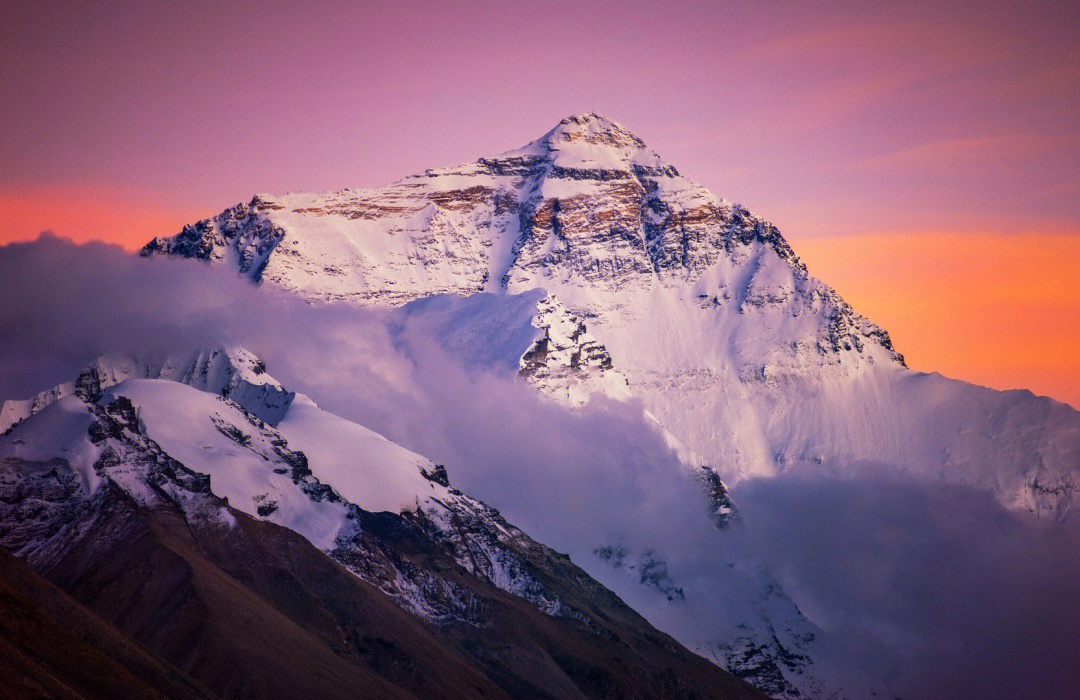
(875, 121)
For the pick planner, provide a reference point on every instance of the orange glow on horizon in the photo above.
(1001, 310)
(86, 213)
(992, 309)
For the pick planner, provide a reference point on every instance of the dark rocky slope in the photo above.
(53, 647)
(256, 611)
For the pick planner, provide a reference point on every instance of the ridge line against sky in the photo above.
(924, 160)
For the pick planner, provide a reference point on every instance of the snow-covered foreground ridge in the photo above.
(216, 422)
(205, 447)
(212, 434)
(692, 304)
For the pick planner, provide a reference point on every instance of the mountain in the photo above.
(586, 208)
(590, 266)
(700, 305)
(54, 647)
(300, 554)
(253, 543)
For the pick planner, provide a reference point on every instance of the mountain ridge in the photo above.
(220, 520)
(590, 268)
(508, 223)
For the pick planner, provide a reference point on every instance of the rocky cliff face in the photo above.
(587, 206)
(654, 289)
(131, 471)
(567, 362)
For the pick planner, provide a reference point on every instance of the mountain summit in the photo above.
(593, 142)
(591, 267)
(585, 207)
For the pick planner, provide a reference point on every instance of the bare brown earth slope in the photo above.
(255, 610)
(52, 647)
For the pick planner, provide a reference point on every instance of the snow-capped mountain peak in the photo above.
(694, 306)
(701, 306)
(587, 211)
(591, 141)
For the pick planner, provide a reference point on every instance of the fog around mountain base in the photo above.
(936, 590)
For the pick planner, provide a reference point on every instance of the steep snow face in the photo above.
(62, 433)
(586, 212)
(700, 307)
(364, 467)
(300, 473)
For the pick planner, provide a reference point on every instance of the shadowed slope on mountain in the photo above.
(441, 599)
(227, 606)
(53, 647)
(257, 611)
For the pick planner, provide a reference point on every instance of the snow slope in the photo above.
(698, 304)
(312, 472)
(232, 372)
(652, 288)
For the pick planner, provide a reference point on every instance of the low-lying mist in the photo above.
(934, 590)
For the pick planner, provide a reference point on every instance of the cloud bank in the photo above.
(936, 590)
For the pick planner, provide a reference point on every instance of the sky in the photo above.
(923, 159)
